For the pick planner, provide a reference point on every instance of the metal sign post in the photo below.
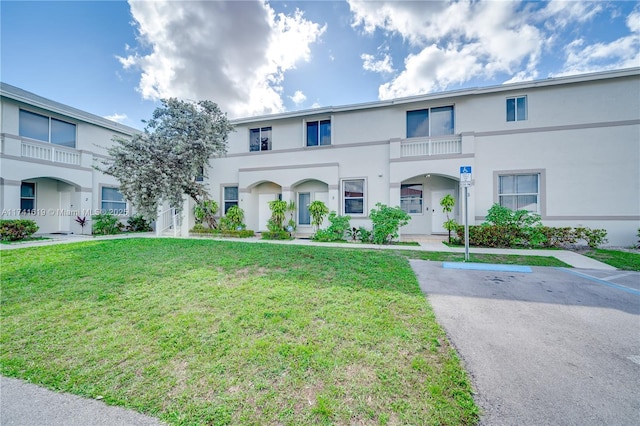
(465, 182)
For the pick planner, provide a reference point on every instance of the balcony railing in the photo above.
(48, 152)
(431, 146)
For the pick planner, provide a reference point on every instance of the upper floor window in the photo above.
(260, 139)
(411, 198)
(47, 129)
(27, 197)
(112, 201)
(520, 192)
(517, 108)
(200, 175)
(318, 132)
(430, 122)
(230, 197)
(353, 196)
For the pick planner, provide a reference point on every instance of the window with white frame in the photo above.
(520, 191)
(353, 196)
(318, 132)
(47, 129)
(230, 197)
(430, 122)
(27, 197)
(517, 108)
(112, 201)
(260, 139)
(411, 198)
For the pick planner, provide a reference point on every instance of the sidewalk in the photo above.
(23, 403)
(571, 258)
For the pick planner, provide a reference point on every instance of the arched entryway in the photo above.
(420, 197)
(52, 203)
(304, 193)
(255, 203)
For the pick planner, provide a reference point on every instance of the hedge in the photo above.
(18, 229)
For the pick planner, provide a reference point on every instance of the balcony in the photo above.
(50, 152)
(440, 145)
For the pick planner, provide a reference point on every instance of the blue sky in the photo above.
(116, 59)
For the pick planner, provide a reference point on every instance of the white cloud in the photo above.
(316, 105)
(117, 117)
(298, 97)
(370, 63)
(623, 52)
(455, 41)
(234, 53)
(558, 14)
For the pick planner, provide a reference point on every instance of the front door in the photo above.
(438, 218)
(304, 217)
(64, 214)
(264, 212)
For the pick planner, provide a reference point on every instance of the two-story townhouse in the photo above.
(47, 154)
(567, 148)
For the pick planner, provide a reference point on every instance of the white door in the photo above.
(438, 217)
(264, 212)
(64, 216)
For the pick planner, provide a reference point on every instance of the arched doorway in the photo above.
(420, 197)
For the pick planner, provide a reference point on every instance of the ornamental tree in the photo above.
(162, 162)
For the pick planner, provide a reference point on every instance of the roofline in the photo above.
(15, 93)
(552, 81)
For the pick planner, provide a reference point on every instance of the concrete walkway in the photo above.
(571, 258)
(23, 403)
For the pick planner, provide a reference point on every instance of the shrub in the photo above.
(364, 234)
(334, 232)
(138, 223)
(386, 222)
(205, 211)
(278, 210)
(276, 235)
(235, 217)
(558, 237)
(318, 211)
(199, 228)
(448, 202)
(491, 235)
(18, 229)
(106, 224)
(593, 237)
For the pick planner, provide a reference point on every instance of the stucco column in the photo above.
(85, 203)
(287, 194)
(188, 218)
(10, 199)
(468, 142)
(334, 199)
(394, 148)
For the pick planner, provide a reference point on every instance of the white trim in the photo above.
(365, 210)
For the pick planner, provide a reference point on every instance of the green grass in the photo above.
(217, 332)
(618, 259)
(506, 259)
(24, 240)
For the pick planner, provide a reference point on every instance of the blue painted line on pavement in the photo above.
(603, 282)
(486, 267)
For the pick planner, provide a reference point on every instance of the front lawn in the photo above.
(616, 258)
(214, 332)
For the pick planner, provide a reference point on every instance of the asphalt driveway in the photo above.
(553, 346)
